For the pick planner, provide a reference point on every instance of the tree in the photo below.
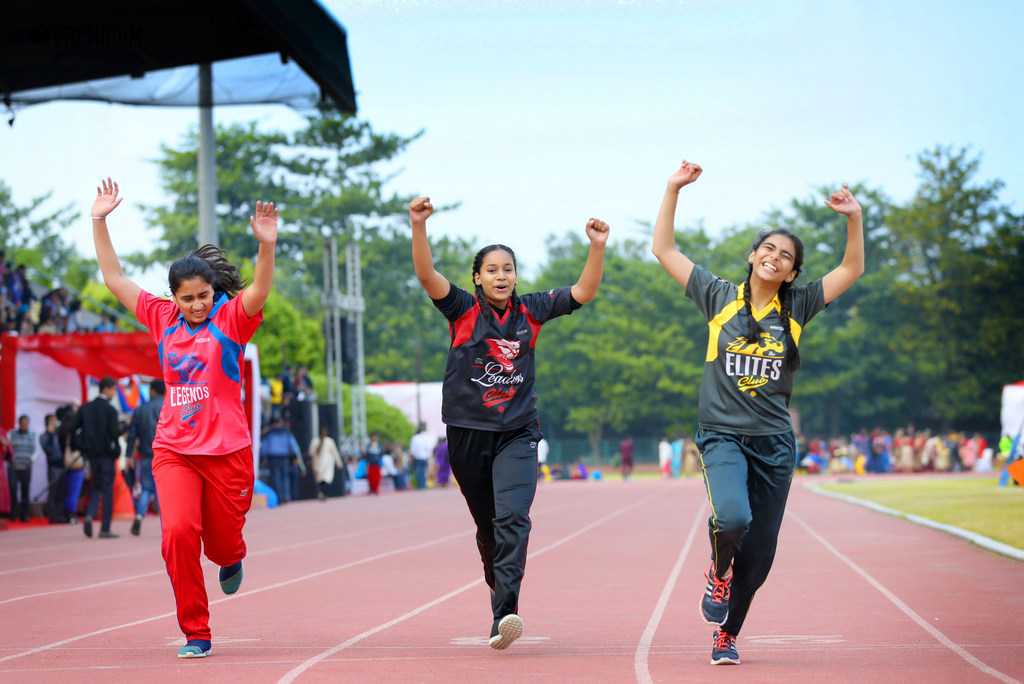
(31, 234)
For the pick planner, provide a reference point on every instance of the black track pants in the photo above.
(497, 473)
(748, 481)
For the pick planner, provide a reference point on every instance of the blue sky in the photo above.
(539, 115)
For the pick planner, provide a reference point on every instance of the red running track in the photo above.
(389, 589)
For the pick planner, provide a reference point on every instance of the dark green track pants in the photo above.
(747, 480)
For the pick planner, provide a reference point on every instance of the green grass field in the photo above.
(971, 503)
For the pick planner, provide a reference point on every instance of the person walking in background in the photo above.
(444, 468)
(325, 457)
(141, 434)
(23, 449)
(50, 445)
(74, 462)
(745, 434)
(96, 432)
(665, 457)
(373, 456)
(626, 454)
(281, 450)
(6, 510)
(202, 453)
(488, 399)
(421, 448)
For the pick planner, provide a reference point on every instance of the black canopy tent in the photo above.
(175, 53)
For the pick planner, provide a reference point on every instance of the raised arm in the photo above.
(845, 274)
(120, 285)
(678, 265)
(264, 227)
(434, 284)
(586, 287)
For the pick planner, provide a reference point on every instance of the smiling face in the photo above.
(497, 277)
(194, 298)
(776, 260)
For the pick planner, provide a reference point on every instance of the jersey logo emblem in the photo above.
(765, 343)
(504, 351)
(185, 366)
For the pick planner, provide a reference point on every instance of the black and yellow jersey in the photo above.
(746, 386)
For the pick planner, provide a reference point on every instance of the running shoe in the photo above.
(714, 606)
(195, 648)
(723, 650)
(87, 526)
(509, 629)
(231, 577)
(137, 525)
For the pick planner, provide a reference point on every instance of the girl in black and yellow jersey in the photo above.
(745, 435)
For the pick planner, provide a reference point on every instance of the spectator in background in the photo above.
(5, 464)
(23, 448)
(54, 470)
(665, 457)
(74, 463)
(373, 457)
(400, 457)
(421, 447)
(303, 385)
(98, 432)
(626, 454)
(281, 450)
(444, 468)
(141, 434)
(325, 458)
(106, 324)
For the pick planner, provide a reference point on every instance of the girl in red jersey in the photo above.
(488, 402)
(202, 453)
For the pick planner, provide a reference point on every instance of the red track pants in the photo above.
(202, 499)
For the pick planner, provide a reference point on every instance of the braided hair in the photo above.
(208, 263)
(785, 297)
(478, 261)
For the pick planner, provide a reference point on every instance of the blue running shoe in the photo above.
(231, 578)
(714, 606)
(195, 648)
(723, 652)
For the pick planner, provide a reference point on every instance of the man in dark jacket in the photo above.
(140, 438)
(54, 468)
(95, 431)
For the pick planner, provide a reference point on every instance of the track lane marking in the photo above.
(907, 610)
(640, 657)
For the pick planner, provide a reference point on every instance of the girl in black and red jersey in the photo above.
(745, 435)
(488, 402)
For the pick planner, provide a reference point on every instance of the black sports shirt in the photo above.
(488, 384)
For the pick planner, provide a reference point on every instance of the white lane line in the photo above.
(973, 537)
(907, 610)
(295, 672)
(303, 578)
(640, 664)
(205, 563)
(74, 561)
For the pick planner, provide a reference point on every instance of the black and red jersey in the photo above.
(488, 384)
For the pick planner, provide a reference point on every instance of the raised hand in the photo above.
(264, 223)
(106, 199)
(420, 209)
(843, 202)
(597, 231)
(687, 173)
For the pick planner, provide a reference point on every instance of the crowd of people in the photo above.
(906, 450)
(27, 309)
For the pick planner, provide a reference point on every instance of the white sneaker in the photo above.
(510, 628)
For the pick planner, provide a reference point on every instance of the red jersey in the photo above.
(202, 412)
